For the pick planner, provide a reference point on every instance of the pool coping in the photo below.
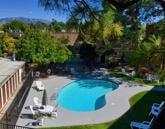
(116, 86)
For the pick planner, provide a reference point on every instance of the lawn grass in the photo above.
(140, 107)
(135, 79)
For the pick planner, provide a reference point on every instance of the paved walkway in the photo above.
(117, 105)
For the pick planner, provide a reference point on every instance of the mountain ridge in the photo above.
(23, 19)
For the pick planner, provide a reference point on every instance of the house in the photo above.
(16, 35)
(11, 78)
(72, 36)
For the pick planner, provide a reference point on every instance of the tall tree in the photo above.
(16, 26)
(57, 26)
(39, 26)
(66, 5)
(7, 45)
(42, 48)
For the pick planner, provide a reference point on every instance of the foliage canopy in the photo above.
(42, 48)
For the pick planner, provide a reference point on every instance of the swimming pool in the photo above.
(85, 95)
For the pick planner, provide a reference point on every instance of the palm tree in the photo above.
(109, 29)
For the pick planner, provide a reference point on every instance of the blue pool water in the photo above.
(85, 95)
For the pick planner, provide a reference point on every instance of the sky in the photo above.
(29, 9)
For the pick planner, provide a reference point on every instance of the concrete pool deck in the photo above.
(117, 104)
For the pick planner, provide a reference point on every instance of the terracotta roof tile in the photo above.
(72, 36)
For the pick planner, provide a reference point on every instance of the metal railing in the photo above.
(7, 126)
(12, 113)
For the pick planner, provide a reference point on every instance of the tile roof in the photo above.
(72, 36)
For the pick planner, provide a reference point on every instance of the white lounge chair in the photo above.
(48, 109)
(133, 73)
(54, 113)
(105, 73)
(49, 71)
(37, 102)
(152, 78)
(99, 77)
(104, 70)
(124, 72)
(157, 108)
(32, 111)
(40, 86)
(155, 112)
(142, 125)
(37, 74)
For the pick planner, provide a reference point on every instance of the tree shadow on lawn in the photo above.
(141, 107)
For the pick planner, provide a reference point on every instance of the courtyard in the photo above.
(115, 106)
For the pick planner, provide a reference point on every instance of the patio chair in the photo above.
(40, 86)
(155, 113)
(99, 77)
(141, 125)
(40, 122)
(149, 78)
(157, 108)
(124, 72)
(37, 74)
(54, 114)
(32, 111)
(103, 70)
(37, 102)
(46, 110)
(156, 78)
(133, 73)
(105, 73)
(49, 71)
(72, 70)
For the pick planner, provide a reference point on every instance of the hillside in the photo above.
(23, 19)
